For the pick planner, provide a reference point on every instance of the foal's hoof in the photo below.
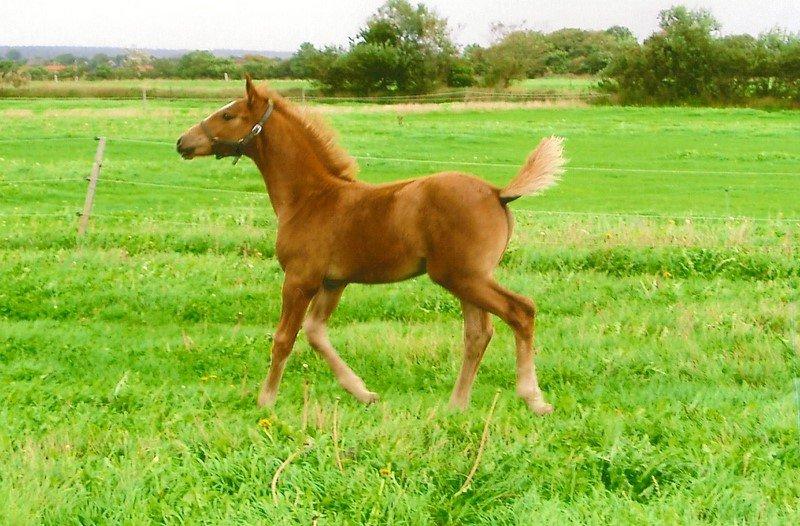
(457, 406)
(266, 399)
(367, 397)
(540, 407)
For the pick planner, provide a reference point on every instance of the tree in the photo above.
(371, 68)
(402, 49)
(675, 64)
(319, 64)
(461, 73)
(258, 66)
(737, 58)
(688, 62)
(38, 73)
(304, 63)
(102, 71)
(67, 59)
(7, 66)
(621, 34)
(164, 68)
(203, 64)
(515, 55)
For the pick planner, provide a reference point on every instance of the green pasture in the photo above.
(210, 85)
(551, 87)
(665, 268)
(558, 83)
(134, 88)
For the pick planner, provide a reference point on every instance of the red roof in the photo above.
(55, 67)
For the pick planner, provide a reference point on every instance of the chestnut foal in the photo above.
(334, 230)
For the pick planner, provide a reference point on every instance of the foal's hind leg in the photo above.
(477, 333)
(315, 326)
(520, 313)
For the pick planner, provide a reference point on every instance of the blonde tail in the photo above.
(541, 170)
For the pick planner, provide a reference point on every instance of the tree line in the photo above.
(688, 61)
(407, 49)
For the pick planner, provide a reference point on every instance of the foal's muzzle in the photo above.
(185, 151)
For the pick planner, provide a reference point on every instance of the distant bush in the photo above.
(518, 53)
(688, 62)
(402, 49)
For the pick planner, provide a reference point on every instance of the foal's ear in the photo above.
(250, 89)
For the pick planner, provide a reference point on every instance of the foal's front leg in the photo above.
(296, 295)
(315, 326)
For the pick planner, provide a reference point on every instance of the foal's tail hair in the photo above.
(541, 170)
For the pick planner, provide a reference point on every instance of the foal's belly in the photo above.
(390, 275)
(375, 267)
(379, 242)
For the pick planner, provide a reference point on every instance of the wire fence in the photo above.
(530, 214)
(301, 95)
(455, 96)
(451, 162)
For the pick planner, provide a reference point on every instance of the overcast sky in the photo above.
(283, 25)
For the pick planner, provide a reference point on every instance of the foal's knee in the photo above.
(282, 345)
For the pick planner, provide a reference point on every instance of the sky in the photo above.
(282, 26)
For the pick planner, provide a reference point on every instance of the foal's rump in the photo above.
(464, 224)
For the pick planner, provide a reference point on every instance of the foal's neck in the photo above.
(294, 175)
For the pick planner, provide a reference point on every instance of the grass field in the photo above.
(153, 88)
(547, 87)
(562, 84)
(665, 268)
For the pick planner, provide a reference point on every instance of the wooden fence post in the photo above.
(87, 205)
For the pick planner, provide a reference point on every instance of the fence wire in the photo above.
(167, 94)
(491, 164)
(522, 212)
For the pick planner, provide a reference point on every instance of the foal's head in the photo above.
(229, 131)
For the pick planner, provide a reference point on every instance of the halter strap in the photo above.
(241, 144)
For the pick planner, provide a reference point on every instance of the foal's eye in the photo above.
(227, 116)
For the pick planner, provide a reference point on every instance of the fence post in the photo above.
(87, 205)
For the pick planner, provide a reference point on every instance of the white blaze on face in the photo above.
(227, 106)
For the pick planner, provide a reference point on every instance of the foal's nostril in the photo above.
(183, 150)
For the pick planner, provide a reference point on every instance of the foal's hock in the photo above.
(334, 230)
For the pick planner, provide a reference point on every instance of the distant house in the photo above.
(55, 68)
